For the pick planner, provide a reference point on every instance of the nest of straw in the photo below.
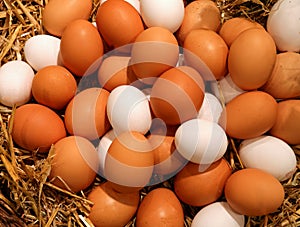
(28, 199)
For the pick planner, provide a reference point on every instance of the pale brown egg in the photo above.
(209, 47)
(57, 14)
(177, 95)
(251, 59)
(284, 82)
(253, 192)
(37, 127)
(81, 47)
(249, 115)
(287, 124)
(201, 188)
(112, 208)
(74, 164)
(199, 14)
(54, 86)
(118, 22)
(160, 207)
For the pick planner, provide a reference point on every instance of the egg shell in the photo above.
(160, 207)
(269, 154)
(111, 208)
(15, 83)
(253, 192)
(41, 51)
(177, 95)
(284, 82)
(218, 214)
(74, 164)
(118, 22)
(54, 86)
(249, 115)
(199, 14)
(85, 115)
(167, 14)
(134, 3)
(199, 188)
(81, 47)
(210, 48)
(37, 127)
(211, 108)
(57, 14)
(287, 124)
(251, 58)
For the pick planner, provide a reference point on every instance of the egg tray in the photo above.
(28, 199)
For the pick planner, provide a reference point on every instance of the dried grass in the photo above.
(28, 199)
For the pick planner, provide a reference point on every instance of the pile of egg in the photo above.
(153, 90)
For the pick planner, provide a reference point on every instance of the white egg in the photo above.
(128, 109)
(134, 3)
(15, 83)
(201, 141)
(41, 51)
(270, 154)
(283, 24)
(218, 214)
(211, 108)
(167, 13)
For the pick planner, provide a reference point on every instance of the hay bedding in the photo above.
(28, 199)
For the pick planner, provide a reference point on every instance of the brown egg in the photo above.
(129, 162)
(37, 127)
(112, 208)
(284, 82)
(253, 192)
(201, 188)
(199, 14)
(54, 86)
(86, 115)
(154, 51)
(209, 47)
(251, 59)
(249, 115)
(160, 207)
(81, 47)
(233, 27)
(74, 164)
(118, 22)
(287, 124)
(177, 95)
(57, 14)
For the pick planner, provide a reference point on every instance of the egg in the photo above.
(177, 95)
(211, 108)
(199, 14)
(210, 48)
(160, 207)
(270, 154)
(249, 115)
(218, 214)
(118, 22)
(41, 51)
(199, 188)
(15, 83)
(167, 14)
(79, 173)
(57, 14)
(200, 141)
(81, 47)
(284, 82)
(85, 115)
(37, 127)
(54, 86)
(251, 58)
(287, 123)
(134, 3)
(111, 208)
(253, 192)
(283, 24)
